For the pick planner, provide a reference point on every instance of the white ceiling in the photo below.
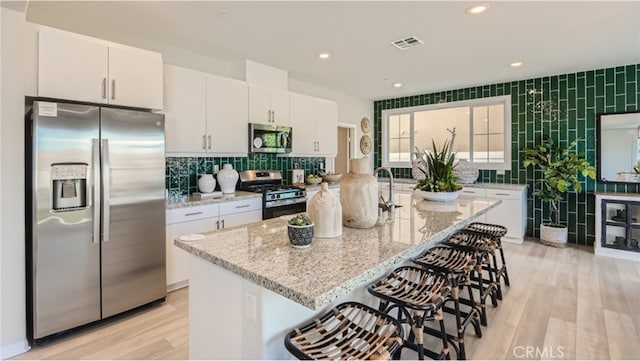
(460, 49)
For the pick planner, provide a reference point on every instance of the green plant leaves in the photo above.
(439, 169)
(560, 170)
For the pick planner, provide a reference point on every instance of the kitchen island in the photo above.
(248, 287)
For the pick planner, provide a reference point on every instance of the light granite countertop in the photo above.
(191, 201)
(504, 186)
(331, 268)
(316, 187)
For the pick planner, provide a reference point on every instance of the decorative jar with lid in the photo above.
(227, 178)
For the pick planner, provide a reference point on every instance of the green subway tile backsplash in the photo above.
(183, 172)
(576, 98)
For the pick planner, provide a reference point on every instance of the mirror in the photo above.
(618, 146)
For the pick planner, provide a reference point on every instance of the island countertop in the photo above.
(333, 267)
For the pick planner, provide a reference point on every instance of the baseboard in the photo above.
(513, 240)
(14, 349)
(177, 285)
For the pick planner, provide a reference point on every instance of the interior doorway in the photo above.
(345, 148)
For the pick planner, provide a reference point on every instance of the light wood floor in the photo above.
(562, 304)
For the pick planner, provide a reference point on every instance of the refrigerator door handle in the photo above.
(95, 190)
(106, 193)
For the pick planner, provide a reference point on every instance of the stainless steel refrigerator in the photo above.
(96, 208)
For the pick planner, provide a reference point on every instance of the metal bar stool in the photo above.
(418, 296)
(483, 247)
(497, 232)
(350, 330)
(458, 265)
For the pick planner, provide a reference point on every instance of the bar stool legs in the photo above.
(418, 295)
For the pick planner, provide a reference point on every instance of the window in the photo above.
(483, 131)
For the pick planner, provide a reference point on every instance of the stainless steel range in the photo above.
(277, 199)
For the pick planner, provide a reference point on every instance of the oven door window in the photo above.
(279, 211)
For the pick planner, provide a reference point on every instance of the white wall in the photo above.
(12, 238)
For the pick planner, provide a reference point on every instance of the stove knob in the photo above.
(278, 196)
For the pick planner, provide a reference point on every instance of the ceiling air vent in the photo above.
(406, 43)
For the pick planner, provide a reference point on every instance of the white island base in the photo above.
(232, 318)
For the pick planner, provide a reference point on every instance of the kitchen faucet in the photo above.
(389, 205)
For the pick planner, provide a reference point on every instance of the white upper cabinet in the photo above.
(315, 125)
(268, 106)
(227, 115)
(204, 113)
(303, 123)
(185, 104)
(75, 67)
(327, 127)
(135, 78)
(72, 68)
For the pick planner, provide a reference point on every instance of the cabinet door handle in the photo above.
(243, 206)
(204, 142)
(501, 194)
(273, 116)
(217, 224)
(192, 214)
(472, 192)
(268, 116)
(223, 224)
(209, 141)
(113, 89)
(104, 88)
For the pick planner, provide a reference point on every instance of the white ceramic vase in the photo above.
(359, 196)
(466, 172)
(227, 178)
(326, 213)
(206, 183)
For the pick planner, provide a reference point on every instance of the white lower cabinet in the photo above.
(201, 219)
(511, 213)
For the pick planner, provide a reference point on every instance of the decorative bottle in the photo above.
(359, 196)
(326, 213)
(206, 183)
(227, 178)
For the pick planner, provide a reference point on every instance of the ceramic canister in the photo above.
(206, 183)
(359, 195)
(326, 213)
(227, 178)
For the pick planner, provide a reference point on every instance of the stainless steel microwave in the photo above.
(269, 138)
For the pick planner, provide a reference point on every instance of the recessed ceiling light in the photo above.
(516, 64)
(324, 55)
(397, 85)
(477, 9)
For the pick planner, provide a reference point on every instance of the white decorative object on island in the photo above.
(467, 173)
(359, 195)
(326, 212)
(227, 177)
(206, 183)
(438, 196)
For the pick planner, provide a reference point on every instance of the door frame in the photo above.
(352, 134)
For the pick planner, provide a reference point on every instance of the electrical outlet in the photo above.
(250, 306)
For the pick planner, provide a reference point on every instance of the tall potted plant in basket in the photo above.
(561, 168)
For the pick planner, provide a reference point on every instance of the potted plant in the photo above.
(439, 183)
(560, 170)
(300, 231)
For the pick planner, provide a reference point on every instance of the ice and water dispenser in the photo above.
(69, 186)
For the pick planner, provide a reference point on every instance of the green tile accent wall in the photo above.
(572, 100)
(182, 173)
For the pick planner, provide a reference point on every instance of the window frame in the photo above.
(478, 102)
